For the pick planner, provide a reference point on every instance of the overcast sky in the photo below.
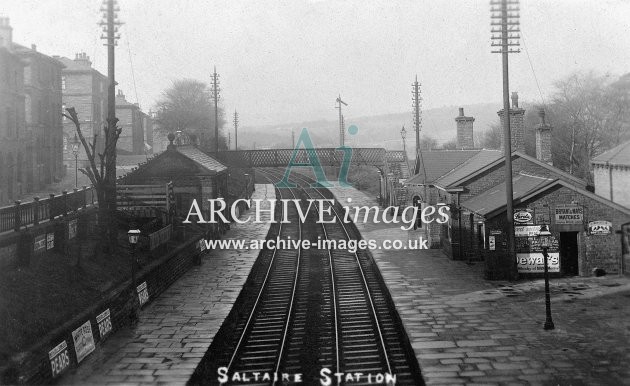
(286, 61)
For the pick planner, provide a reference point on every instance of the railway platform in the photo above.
(176, 329)
(466, 330)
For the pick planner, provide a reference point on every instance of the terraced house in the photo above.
(30, 119)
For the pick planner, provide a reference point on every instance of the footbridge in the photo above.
(392, 164)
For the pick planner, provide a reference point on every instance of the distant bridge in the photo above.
(386, 161)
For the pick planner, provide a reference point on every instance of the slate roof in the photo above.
(492, 201)
(474, 163)
(618, 155)
(202, 159)
(437, 163)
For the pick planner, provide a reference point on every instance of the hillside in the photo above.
(374, 131)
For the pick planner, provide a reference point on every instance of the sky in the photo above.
(287, 61)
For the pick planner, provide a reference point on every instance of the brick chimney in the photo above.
(464, 131)
(517, 126)
(543, 139)
(120, 97)
(82, 59)
(6, 33)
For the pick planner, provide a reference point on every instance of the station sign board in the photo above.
(59, 358)
(83, 341)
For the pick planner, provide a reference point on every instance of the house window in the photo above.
(63, 111)
(63, 82)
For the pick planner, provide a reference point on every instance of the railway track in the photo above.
(322, 313)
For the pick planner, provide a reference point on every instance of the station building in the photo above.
(586, 227)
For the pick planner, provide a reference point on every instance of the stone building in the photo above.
(85, 89)
(12, 122)
(43, 158)
(472, 184)
(611, 172)
(30, 119)
(131, 120)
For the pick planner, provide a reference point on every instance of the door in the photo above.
(569, 253)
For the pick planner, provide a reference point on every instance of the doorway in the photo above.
(569, 253)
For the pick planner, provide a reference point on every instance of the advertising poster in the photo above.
(529, 255)
(83, 341)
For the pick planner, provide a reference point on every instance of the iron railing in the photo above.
(19, 215)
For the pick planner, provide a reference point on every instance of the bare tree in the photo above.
(101, 175)
(590, 115)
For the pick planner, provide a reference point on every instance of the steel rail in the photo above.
(264, 286)
(367, 289)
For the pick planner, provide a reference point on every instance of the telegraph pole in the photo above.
(229, 140)
(341, 123)
(110, 25)
(417, 119)
(505, 35)
(215, 97)
(235, 130)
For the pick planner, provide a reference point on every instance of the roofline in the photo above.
(553, 184)
(526, 197)
(514, 154)
(608, 163)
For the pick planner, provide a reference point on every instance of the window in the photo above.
(63, 82)
(63, 111)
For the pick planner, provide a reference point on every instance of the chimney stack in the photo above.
(464, 131)
(543, 139)
(6, 33)
(82, 59)
(517, 126)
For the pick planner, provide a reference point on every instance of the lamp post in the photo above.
(134, 235)
(545, 242)
(403, 134)
(75, 151)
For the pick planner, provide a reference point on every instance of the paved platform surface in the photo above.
(176, 329)
(466, 330)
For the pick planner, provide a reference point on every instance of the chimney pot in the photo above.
(461, 111)
(515, 99)
(33, 47)
(541, 114)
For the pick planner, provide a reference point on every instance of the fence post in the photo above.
(51, 206)
(65, 202)
(16, 222)
(36, 210)
(84, 197)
